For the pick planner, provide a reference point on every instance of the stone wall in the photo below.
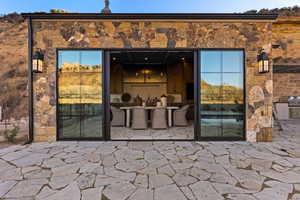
(49, 35)
(286, 84)
(13, 64)
(286, 34)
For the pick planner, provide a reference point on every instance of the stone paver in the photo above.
(26, 188)
(119, 191)
(169, 192)
(184, 179)
(154, 170)
(5, 186)
(45, 192)
(71, 192)
(92, 193)
(204, 190)
(156, 181)
(144, 194)
(271, 194)
(296, 197)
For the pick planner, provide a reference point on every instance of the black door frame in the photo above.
(214, 138)
(191, 50)
(104, 67)
(106, 93)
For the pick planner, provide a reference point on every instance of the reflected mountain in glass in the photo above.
(80, 83)
(217, 94)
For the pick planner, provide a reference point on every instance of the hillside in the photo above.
(282, 12)
(13, 63)
(80, 84)
(221, 94)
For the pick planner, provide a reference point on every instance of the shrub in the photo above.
(11, 134)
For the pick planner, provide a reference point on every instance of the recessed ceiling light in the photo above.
(146, 58)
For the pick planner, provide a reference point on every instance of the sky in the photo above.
(143, 6)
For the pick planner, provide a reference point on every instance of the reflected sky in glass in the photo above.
(212, 78)
(82, 57)
(233, 79)
(211, 61)
(232, 61)
(91, 57)
(214, 62)
(68, 57)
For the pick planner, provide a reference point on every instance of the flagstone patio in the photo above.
(154, 170)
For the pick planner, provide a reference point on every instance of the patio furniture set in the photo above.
(137, 117)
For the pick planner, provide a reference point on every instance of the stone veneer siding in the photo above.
(48, 35)
(285, 85)
(286, 33)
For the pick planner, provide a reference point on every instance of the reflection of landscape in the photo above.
(80, 99)
(216, 94)
(222, 94)
(222, 110)
(80, 84)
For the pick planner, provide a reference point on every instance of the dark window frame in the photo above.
(106, 97)
(218, 138)
(59, 115)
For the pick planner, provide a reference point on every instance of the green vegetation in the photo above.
(11, 134)
(221, 94)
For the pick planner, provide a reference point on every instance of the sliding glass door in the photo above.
(221, 94)
(80, 105)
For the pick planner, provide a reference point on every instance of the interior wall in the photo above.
(116, 79)
(145, 90)
(178, 75)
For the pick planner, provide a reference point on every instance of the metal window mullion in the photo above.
(81, 107)
(106, 95)
(222, 95)
(200, 92)
(197, 94)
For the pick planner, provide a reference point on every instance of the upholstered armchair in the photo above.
(139, 118)
(179, 116)
(118, 116)
(159, 118)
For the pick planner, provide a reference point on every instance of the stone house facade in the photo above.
(152, 33)
(251, 33)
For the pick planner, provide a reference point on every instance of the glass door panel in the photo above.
(221, 94)
(69, 126)
(211, 101)
(80, 94)
(233, 105)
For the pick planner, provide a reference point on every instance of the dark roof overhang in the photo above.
(151, 16)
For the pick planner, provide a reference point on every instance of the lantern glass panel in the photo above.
(260, 66)
(40, 65)
(34, 64)
(266, 65)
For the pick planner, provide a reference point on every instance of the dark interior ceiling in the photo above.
(151, 57)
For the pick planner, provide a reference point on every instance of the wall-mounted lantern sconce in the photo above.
(263, 62)
(37, 62)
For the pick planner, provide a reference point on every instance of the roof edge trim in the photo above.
(116, 16)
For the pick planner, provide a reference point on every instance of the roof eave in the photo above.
(151, 16)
